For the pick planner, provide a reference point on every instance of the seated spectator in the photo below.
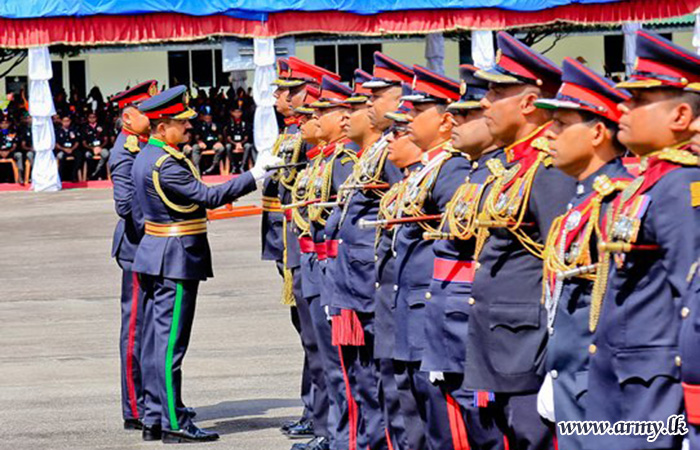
(9, 148)
(241, 151)
(207, 136)
(68, 145)
(25, 139)
(94, 139)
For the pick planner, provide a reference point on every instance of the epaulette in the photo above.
(548, 161)
(541, 143)
(604, 186)
(174, 152)
(132, 144)
(678, 156)
(346, 160)
(495, 166)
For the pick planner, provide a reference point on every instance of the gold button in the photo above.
(477, 266)
(471, 300)
(340, 241)
(685, 312)
(428, 295)
(396, 287)
(678, 361)
(376, 257)
(592, 349)
(554, 374)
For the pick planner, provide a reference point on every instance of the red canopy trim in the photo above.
(153, 28)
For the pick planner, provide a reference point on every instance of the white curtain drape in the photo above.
(483, 53)
(629, 55)
(265, 129)
(41, 108)
(435, 52)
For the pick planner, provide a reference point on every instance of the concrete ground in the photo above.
(59, 312)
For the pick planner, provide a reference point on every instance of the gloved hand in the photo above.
(545, 399)
(436, 376)
(265, 160)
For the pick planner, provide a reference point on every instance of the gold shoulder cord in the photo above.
(508, 208)
(171, 152)
(300, 193)
(388, 206)
(461, 211)
(600, 284)
(415, 194)
(368, 168)
(290, 149)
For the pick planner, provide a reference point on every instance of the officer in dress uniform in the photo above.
(404, 425)
(690, 372)
(295, 83)
(334, 166)
(127, 234)
(650, 242)
(173, 255)
(427, 194)
(583, 144)
(447, 309)
(354, 327)
(507, 333)
(309, 271)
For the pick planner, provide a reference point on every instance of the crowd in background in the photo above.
(221, 140)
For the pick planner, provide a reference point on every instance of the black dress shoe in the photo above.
(191, 433)
(133, 424)
(304, 430)
(152, 433)
(320, 443)
(291, 424)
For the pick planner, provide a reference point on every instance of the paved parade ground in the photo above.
(59, 306)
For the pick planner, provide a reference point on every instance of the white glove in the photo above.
(436, 376)
(265, 160)
(545, 399)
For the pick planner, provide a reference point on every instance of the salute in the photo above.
(650, 244)
(583, 144)
(127, 235)
(507, 335)
(174, 255)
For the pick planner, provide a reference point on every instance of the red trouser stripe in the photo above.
(457, 427)
(352, 406)
(389, 445)
(130, 387)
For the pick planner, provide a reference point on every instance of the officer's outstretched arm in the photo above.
(178, 179)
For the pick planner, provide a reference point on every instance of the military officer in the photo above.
(582, 144)
(650, 243)
(127, 234)
(430, 128)
(335, 165)
(173, 255)
(354, 287)
(447, 309)
(690, 372)
(507, 336)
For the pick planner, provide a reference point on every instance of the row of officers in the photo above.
(468, 264)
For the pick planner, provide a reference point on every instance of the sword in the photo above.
(624, 247)
(583, 270)
(500, 223)
(437, 236)
(388, 222)
(365, 186)
(288, 166)
(315, 201)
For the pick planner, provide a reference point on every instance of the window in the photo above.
(465, 50)
(56, 81)
(614, 52)
(343, 59)
(196, 68)
(14, 84)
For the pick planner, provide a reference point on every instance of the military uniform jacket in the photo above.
(341, 166)
(385, 275)
(447, 310)
(507, 332)
(169, 190)
(129, 229)
(355, 283)
(568, 301)
(690, 330)
(414, 255)
(271, 230)
(635, 364)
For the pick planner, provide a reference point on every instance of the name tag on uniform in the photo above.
(95, 143)
(237, 137)
(68, 144)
